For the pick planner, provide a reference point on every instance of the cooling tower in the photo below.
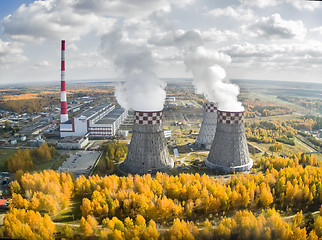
(63, 98)
(229, 151)
(148, 151)
(208, 127)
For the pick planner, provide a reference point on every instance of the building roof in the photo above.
(69, 121)
(71, 139)
(94, 110)
(111, 117)
(3, 201)
(105, 121)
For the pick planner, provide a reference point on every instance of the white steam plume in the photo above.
(209, 76)
(142, 90)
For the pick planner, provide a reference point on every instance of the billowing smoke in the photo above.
(209, 78)
(141, 90)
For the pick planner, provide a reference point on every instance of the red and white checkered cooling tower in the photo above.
(63, 97)
(148, 151)
(229, 150)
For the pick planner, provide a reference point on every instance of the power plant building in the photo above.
(102, 120)
(108, 124)
(148, 151)
(208, 127)
(229, 150)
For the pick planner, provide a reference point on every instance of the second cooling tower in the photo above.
(229, 150)
(148, 151)
(208, 127)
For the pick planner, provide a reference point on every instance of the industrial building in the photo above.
(73, 143)
(148, 151)
(229, 150)
(208, 127)
(102, 120)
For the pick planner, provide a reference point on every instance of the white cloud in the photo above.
(164, 29)
(128, 8)
(43, 64)
(299, 4)
(70, 19)
(239, 13)
(306, 5)
(274, 27)
(178, 38)
(191, 38)
(92, 60)
(11, 52)
(306, 55)
(260, 3)
(317, 30)
(52, 19)
(217, 36)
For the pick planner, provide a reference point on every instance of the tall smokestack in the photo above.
(229, 151)
(148, 151)
(63, 98)
(208, 127)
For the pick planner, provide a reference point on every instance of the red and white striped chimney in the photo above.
(63, 97)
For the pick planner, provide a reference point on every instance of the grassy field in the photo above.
(59, 161)
(5, 154)
(264, 96)
(71, 213)
(287, 149)
(282, 117)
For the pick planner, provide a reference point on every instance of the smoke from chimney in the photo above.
(141, 90)
(209, 78)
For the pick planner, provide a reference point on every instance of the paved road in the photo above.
(304, 145)
(292, 216)
(164, 229)
(80, 162)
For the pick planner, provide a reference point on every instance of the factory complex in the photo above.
(221, 132)
(102, 120)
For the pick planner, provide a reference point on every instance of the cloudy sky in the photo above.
(266, 39)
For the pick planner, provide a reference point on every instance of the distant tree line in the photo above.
(308, 103)
(258, 108)
(26, 105)
(270, 132)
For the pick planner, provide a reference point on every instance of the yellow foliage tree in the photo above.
(27, 224)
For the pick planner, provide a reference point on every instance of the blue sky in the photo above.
(265, 39)
(7, 6)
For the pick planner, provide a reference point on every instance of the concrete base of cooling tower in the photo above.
(130, 170)
(229, 169)
(202, 145)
